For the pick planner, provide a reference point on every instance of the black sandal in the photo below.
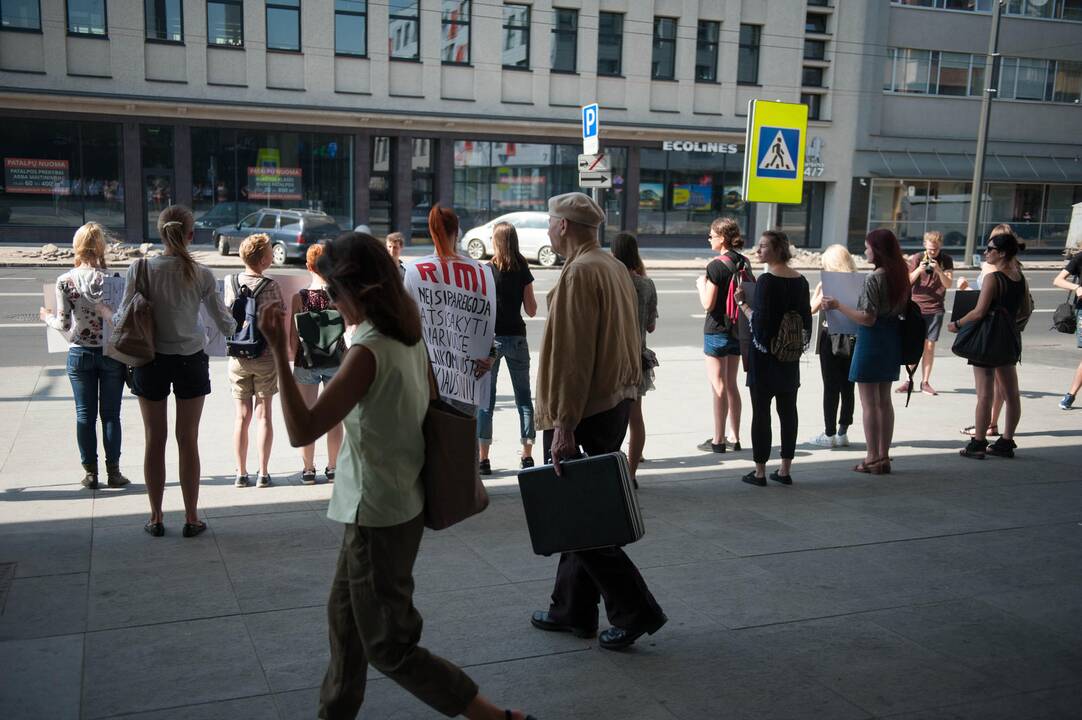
(154, 529)
(975, 449)
(526, 462)
(308, 477)
(329, 472)
(193, 529)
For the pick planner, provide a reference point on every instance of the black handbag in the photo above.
(842, 345)
(993, 342)
(1065, 316)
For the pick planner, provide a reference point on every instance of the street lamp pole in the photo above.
(991, 79)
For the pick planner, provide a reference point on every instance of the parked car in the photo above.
(291, 232)
(533, 238)
(226, 213)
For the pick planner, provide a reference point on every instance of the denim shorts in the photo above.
(314, 376)
(188, 375)
(720, 345)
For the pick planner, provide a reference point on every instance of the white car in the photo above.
(533, 238)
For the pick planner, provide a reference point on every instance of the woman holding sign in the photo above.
(96, 380)
(457, 299)
(878, 352)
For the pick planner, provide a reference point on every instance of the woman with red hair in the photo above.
(878, 352)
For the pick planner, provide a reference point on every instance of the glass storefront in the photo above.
(423, 167)
(1038, 213)
(158, 173)
(680, 193)
(61, 174)
(235, 171)
(495, 178)
(381, 186)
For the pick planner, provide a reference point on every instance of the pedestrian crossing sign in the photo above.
(774, 152)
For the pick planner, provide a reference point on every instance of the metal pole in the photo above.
(991, 79)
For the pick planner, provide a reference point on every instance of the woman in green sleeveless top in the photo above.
(381, 395)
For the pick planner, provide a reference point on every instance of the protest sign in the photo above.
(457, 299)
(965, 301)
(845, 287)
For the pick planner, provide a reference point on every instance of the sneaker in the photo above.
(824, 440)
(241, 481)
(927, 389)
(485, 467)
(264, 481)
(1067, 402)
(1002, 448)
(308, 477)
(709, 445)
(903, 388)
(841, 440)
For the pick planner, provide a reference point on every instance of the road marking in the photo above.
(18, 278)
(699, 317)
(535, 319)
(16, 326)
(37, 294)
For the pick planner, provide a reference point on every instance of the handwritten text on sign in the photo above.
(457, 300)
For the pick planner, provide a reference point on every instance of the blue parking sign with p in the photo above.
(589, 121)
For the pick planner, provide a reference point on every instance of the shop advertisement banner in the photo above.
(845, 287)
(457, 299)
(651, 195)
(274, 183)
(35, 176)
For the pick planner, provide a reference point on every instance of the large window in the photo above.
(680, 193)
(455, 33)
(565, 40)
(663, 65)
(381, 186)
(1067, 87)
(156, 149)
(812, 77)
(516, 37)
(424, 185)
(227, 165)
(815, 23)
(1047, 9)
(962, 74)
(60, 173)
(610, 44)
(706, 51)
(747, 65)
(20, 14)
(284, 25)
(404, 29)
(351, 27)
(814, 101)
(87, 17)
(164, 20)
(225, 23)
(815, 50)
(803, 223)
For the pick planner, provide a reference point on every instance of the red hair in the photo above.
(443, 226)
(887, 254)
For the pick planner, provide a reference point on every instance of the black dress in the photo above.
(1011, 295)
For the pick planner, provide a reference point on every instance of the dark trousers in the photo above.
(584, 577)
(761, 438)
(372, 620)
(836, 388)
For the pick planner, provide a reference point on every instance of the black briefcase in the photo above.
(592, 505)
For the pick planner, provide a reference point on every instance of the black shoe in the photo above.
(242, 481)
(90, 481)
(709, 445)
(526, 462)
(485, 467)
(783, 479)
(974, 449)
(751, 479)
(619, 638)
(1002, 448)
(154, 529)
(264, 481)
(193, 529)
(329, 472)
(308, 477)
(736, 447)
(542, 621)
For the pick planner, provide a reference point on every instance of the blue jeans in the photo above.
(517, 351)
(97, 382)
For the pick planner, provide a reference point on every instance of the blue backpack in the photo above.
(246, 342)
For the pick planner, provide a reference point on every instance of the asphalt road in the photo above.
(22, 336)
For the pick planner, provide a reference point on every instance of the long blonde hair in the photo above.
(837, 258)
(175, 224)
(90, 245)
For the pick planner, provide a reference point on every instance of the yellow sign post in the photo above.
(774, 152)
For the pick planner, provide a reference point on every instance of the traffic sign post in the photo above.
(591, 129)
(774, 152)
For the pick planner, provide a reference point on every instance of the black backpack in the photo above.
(246, 342)
(913, 331)
(1065, 316)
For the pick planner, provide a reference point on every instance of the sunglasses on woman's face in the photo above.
(991, 248)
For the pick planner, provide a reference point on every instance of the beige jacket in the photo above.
(590, 352)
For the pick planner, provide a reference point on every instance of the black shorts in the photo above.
(188, 375)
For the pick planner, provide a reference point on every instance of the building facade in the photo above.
(372, 112)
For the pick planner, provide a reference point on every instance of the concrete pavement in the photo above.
(946, 590)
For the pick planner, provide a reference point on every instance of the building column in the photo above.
(631, 190)
(402, 186)
(362, 167)
(445, 172)
(182, 165)
(134, 220)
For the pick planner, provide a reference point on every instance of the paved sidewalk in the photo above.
(946, 590)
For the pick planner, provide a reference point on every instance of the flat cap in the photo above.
(577, 207)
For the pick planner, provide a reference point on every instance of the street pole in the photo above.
(991, 79)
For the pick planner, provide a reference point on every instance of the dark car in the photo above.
(292, 232)
(226, 213)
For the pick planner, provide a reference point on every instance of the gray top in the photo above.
(875, 297)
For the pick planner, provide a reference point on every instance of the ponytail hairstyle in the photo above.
(358, 265)
(887, 254)
(89, 245)
(625, 248)
(443, 226)
(506, 256)
(729, 230)
(175, 226)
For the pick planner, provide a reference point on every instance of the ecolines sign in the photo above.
(705, 147)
